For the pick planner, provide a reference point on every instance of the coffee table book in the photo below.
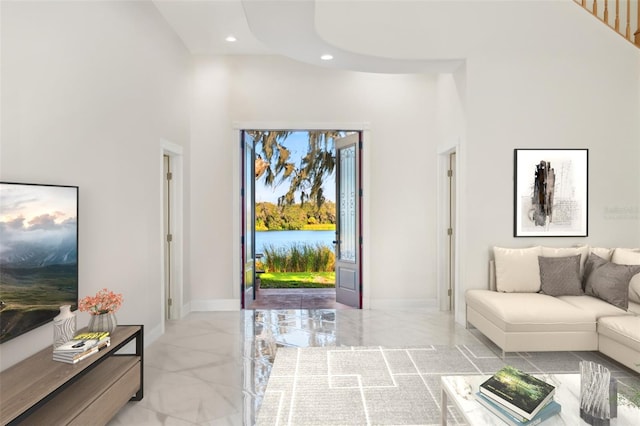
(74, 357)
(518, 391)
(83, 341)
(511, 418)
(81, 346)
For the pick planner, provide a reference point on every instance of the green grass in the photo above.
(298, 280)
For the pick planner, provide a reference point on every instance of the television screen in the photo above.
(38, 255)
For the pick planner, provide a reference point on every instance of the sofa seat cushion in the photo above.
(623, 329)
(634, 308)
(598, 307)
(523, 312)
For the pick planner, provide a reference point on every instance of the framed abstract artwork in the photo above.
(551, 192)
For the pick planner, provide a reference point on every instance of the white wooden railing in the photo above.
(623, 16)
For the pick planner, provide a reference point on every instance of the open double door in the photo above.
(348, 241)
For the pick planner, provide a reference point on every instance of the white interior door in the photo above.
(348, 239)
(172, 230)
(168, 270)
(248, 221)
(451, 231)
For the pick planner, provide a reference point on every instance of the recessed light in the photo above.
(326, 57)
(231, 39)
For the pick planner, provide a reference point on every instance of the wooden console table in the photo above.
(41, 391)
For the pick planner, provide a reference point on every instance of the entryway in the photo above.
(296, 298)
(302, 170)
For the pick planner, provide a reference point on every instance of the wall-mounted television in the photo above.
(38, 254)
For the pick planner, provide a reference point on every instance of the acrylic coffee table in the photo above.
(460, 391)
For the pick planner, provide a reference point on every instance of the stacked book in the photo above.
(518, 398)
(81, 346)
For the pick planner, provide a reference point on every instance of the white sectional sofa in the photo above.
(556, 299)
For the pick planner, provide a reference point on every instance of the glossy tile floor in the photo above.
(211, 368)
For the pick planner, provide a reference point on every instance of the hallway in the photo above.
(296, 298)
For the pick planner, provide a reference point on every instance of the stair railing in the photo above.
(627, 12)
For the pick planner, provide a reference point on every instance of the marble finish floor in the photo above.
(211, 368)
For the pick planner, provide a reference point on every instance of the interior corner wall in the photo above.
(89, 90)
(399, 110)
(451, 124)
(212, 164)
(450, 114)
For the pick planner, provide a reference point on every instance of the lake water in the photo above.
(287, 238)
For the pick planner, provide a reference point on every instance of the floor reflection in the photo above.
(266, 330)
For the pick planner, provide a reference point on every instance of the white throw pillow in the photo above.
(602, 252)
(517, 270)
(625, 256)
(583, 251)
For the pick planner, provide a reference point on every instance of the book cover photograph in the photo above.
(84, 341)
(518, 390)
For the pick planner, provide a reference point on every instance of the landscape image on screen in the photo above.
(38, 255)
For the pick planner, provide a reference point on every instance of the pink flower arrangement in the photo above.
(104, 302)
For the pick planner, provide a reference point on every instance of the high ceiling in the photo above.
(203, 26)
(285, 28)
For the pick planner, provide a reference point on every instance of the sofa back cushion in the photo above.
(625, 256)
(517, 269)
(609, 281)
(583, 251)
(560, 276)
(602, 252)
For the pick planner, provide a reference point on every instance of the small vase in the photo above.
(64, 326)
(103, 322)
(598, 394)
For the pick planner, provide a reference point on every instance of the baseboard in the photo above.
(214, 305)
(152, 335)
(186, 308)
(403, 303)
(234, 304)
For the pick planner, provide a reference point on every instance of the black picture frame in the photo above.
(551, 192)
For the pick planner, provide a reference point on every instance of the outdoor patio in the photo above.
(298, 298)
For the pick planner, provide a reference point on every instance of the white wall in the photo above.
(89, 90)
(539, 74)
(399, 111)
(212, 194)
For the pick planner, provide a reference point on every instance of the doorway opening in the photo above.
(451, 229)
(171, 157)
(301, 219)
(448, 234)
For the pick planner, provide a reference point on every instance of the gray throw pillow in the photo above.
(560, 276)
(608, 281)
